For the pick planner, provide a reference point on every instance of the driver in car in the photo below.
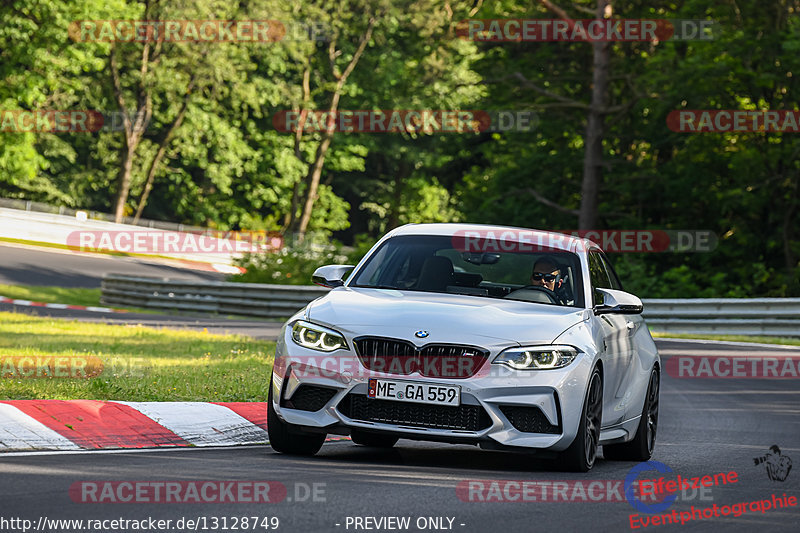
(548, 275)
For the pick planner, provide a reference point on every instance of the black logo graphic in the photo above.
(778, 466)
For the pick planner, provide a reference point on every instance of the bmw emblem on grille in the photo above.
(421, 334)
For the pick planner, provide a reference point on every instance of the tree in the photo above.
(342, 27)
(40, 70)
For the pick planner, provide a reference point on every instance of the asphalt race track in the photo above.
(24, 265)
(707, 426)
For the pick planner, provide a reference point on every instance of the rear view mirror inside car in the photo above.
(477, 258)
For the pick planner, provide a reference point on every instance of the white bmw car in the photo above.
(508, 338)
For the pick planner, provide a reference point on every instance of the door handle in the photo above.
(629, 324)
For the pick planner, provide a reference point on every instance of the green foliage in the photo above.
(229, 168)
(293, 264)
(296, 262)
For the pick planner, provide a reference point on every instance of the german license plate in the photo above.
(408, 391)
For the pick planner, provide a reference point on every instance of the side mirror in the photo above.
(331, 275)
(620, 302)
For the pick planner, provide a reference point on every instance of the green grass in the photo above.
(59, 295)
(139, 364)
(63, 295)
(792, 341)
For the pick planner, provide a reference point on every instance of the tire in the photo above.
(582, 453)
(641, 447)
(373, 440)
(285, 439)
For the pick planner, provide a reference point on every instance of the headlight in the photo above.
(537, 357)
(317, 337)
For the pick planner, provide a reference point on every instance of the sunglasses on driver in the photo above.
(539, 276)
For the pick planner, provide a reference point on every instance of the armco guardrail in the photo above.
(723, 316)
(249, 299)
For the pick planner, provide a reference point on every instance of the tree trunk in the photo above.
(313, 181)
(151, 176)
(789, 223)
(290, 221)
(133, 129)
(403, 172)
(315, 172)
(162, 150)
(593, 139)
(124, 181)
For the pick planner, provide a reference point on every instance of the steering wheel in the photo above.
(553, 297)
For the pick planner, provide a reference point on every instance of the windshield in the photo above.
(437, 264)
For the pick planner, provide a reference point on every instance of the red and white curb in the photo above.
(29, 303)
(91, 425)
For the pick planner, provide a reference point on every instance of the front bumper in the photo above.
(500, 407)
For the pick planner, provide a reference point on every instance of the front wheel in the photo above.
(641, 447)
(285, 439)
(582, 453)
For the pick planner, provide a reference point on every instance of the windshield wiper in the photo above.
(376, 287)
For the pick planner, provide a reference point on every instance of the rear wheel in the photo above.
(582, 453)
(642, 445)
(285, 438)
(374, 440)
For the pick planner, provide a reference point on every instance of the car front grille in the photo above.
(396, 356)
(309, 398)
(463, 417)
(529, 419)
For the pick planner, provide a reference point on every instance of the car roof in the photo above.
(552, 239)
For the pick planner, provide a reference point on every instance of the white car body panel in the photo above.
(620, 343)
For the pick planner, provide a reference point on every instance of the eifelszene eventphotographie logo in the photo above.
(777, 465)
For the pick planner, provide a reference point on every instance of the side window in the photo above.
(612, 276)
(598, 276)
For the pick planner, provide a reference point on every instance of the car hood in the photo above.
(447, 317)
